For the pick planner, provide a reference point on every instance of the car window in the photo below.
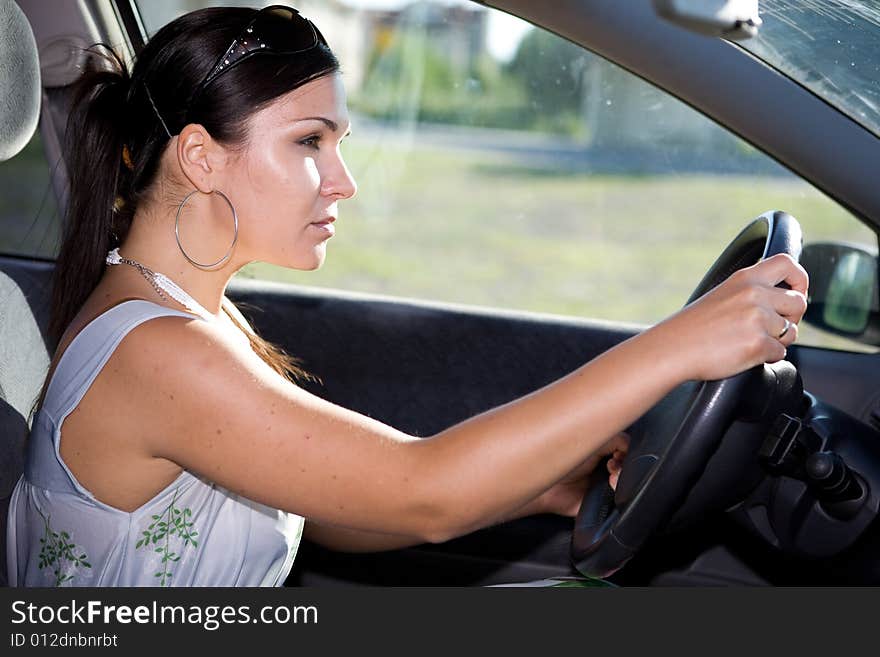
(29, 222)
(829, 47)
(503, 166)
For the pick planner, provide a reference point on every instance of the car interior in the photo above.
(769, 478)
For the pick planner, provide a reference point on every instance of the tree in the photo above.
(552, 70)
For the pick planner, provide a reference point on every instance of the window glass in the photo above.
(29, 222)
(500, 165)
(830, 47)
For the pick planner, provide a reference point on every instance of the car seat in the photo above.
(24, 294)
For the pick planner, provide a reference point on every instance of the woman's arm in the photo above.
(343, 539)
(209, 404)
(562, 499)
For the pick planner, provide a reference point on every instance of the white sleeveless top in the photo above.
(192, 533)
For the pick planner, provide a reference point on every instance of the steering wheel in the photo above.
(671, 446)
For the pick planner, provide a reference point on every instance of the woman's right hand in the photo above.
(737, 325)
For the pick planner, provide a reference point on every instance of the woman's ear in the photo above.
(198, 156)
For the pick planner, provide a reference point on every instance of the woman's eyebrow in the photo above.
(328, 122)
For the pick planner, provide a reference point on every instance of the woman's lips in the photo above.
(325, 225)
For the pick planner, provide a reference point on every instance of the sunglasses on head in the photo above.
(275, 29)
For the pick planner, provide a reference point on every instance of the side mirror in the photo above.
(731, 19)
(843, 290)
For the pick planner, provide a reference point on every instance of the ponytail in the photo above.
(93, 153)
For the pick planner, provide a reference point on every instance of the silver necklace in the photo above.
(161, 283)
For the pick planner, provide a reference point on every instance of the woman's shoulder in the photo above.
(185, 344)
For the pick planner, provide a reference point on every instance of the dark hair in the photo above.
(111, 112)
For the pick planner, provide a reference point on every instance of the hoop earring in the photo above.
(177, 231)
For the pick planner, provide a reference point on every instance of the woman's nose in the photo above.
(340, 182)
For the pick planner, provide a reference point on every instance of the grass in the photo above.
(485, 229)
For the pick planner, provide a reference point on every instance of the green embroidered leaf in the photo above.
(65, 534)
(170, 522)
(138, 544)
(86, 564)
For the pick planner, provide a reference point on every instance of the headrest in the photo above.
(19, 80)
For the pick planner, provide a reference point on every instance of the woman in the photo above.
(188, 455)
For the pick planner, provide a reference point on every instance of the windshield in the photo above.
(830, 47)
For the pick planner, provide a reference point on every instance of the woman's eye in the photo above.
(311, 142)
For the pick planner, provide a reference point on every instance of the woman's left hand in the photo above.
(566, 496)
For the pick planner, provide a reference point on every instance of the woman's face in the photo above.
(287, 184)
